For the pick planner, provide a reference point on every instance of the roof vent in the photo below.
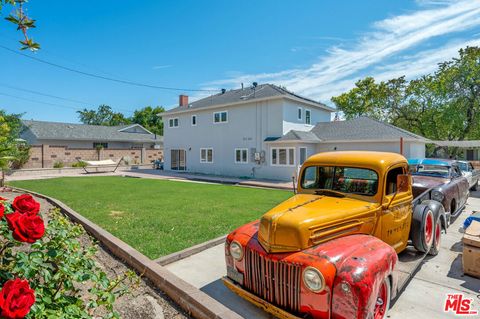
(255, 84)
(223, 91)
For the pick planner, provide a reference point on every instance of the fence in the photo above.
(45, 156)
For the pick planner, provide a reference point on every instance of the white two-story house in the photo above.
(265, 131)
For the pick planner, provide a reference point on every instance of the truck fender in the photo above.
(436, 208)
(359, 277)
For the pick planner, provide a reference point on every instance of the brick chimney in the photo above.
(183, 100)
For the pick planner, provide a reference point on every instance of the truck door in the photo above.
(396, 210)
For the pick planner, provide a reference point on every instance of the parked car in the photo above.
(157, 164)
(472, 174)
(449, 185)
(330, 251)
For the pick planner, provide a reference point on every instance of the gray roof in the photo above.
(246, 94)
(358, 129)
(462, 144)
(82, 132)
(361, 128)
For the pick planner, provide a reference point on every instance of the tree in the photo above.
(444, 105)
(104, 115)
(148, 118)
(13, 152)
(22, 21)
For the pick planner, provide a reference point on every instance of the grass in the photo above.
(159, 217)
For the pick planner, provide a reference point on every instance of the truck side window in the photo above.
(391, 186)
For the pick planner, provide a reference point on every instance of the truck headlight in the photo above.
(438, 196)
(313, 279)
(236, 251)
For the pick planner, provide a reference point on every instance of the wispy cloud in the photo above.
(372, 53)
(159, 67)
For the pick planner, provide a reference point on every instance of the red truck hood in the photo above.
(428, 181)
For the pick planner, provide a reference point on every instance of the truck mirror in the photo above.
(403, 182)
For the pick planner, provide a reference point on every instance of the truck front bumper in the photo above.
(257, 301)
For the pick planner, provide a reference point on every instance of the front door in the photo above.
(396, 217)
(178, 160)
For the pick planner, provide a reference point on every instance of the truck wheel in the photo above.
(422, 231)
(383, 300)
(474, 187)
(437, 239)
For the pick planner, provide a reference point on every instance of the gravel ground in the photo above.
(144, 301)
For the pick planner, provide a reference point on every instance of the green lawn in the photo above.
(159, 217)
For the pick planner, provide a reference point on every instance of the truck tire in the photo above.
(383, 300)
(474, 187)
(437, 239)
(422, 230)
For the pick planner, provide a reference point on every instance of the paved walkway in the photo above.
(423, 297)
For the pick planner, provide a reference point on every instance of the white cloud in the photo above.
(159, 67)
(338, 70)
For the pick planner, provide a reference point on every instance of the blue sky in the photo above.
(314, 48)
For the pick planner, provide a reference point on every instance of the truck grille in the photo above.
(275, 281)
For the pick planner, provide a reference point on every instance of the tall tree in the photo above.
(104, 115)
(444, 105)
(148, 118)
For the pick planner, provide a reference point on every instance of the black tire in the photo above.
(437, 238)
(421, 232)
(474, 187)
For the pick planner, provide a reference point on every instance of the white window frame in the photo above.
(278, 156)
(205, 161)
(220, 122)
(191, 120)
(309, 117)
(300, 155)
(172, 120)
(241, 157)
(300, 112)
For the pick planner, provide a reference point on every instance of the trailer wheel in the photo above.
(382, 304)
(422, 231)
(437, 239)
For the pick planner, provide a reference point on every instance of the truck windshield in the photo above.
(350, 180)
(430, 170)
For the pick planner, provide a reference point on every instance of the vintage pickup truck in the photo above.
(334, 249)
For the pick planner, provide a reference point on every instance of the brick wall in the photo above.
(45, 156)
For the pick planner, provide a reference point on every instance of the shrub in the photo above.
(58, 164)
(79, 164)
(47, 266)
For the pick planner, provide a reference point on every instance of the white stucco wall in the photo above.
(292, 122)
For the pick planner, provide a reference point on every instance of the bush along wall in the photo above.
(45, 271)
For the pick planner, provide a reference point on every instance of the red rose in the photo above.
(25, 204)
(2, 210)
(16, 299)
(3, 199)
(26, 228)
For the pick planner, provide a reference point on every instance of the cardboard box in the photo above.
(472, 234)
(471, 250)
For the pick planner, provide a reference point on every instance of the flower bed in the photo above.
(50, 268)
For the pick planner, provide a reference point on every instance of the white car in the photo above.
(470, 173)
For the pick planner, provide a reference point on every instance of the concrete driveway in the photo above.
(424, 296)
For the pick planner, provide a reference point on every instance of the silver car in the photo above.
(472, 174)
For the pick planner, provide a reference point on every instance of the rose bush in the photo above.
(45, 272)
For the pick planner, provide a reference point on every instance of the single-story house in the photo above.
(53, 142)
(266, 131)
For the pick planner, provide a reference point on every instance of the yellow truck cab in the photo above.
(331, 250)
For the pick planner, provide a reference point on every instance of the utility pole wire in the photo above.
(101, 76)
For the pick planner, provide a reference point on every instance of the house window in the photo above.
(283, 156)
(303, 155)
(173, 122)
(97, 145)
(299, 114)
(194, 120)
(241, 155)
(206, 155)
(220, 117)
(307, 117)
